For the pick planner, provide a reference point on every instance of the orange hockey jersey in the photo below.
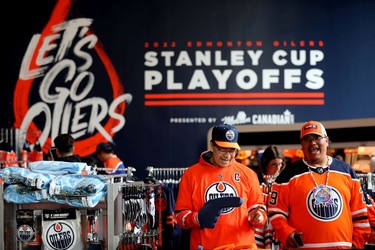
(371, 216)
(116, 165)
(332, 217)
(264, 236)
(204, 181)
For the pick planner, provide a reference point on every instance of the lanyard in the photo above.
(322, 193)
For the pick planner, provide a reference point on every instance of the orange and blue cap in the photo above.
(313, 127)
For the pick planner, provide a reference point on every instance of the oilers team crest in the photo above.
(25, 233)
(322, 210)
(218, 190)
(60, 235)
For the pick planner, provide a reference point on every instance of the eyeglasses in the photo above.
(310, 138)
(231, 151)
(276, 165)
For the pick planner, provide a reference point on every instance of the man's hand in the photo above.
(256, 218)
(294, 239)
(210, 212)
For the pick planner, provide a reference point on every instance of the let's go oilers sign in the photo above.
(57, 72)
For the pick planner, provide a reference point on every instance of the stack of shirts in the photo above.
(53, 181)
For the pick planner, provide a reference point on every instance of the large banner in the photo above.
(154, 76)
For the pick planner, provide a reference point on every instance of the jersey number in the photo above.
(273, 198)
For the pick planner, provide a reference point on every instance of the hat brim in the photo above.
(225, 144)
(241, 157)
(313, 133)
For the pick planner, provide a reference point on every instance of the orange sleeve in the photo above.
(371, 217)
(187, 206)
(187, 219)
(280, 223)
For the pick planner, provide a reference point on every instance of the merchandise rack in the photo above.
(111, 207)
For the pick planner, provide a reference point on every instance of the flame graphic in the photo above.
(61, 13)
(58, 227)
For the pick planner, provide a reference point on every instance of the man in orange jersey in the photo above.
(106, 154)
(219, 199)
(318, 201)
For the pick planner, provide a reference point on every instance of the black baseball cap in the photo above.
(225, 136)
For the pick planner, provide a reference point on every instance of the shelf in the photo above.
(111, 207)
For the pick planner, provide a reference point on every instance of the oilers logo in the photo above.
(25, 233)
(60, 235)
(218, 190)
(324, 210)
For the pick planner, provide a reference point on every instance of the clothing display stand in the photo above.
(368, 183)
(142, 216)
(111, 216)
(111, 207)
